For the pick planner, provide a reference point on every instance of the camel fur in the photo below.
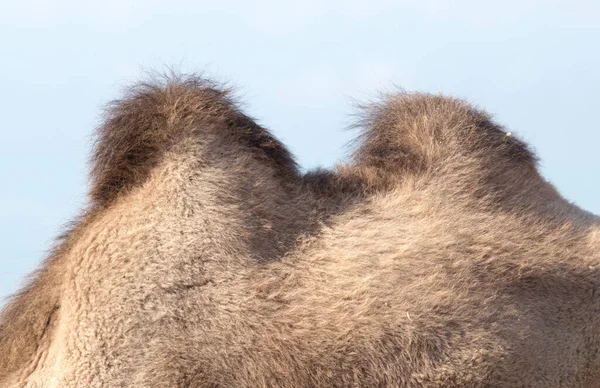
(436, 256)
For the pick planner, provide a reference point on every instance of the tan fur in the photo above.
(436, 257)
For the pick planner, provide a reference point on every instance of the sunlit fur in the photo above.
(435, 257)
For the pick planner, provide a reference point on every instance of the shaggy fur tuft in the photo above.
(153, 117)
(414, 132)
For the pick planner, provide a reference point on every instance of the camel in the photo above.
(435, 256)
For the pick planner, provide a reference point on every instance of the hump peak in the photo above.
(153, 116)
(419, 131)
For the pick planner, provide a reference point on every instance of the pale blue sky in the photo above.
(534, 64)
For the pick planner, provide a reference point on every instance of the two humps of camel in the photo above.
(435, 256)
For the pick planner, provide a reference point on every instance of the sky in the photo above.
(298, 67)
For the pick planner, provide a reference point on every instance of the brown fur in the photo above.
(436, 257)
(141, 127)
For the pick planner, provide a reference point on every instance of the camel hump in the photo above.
(416, 132)
(154, 116)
